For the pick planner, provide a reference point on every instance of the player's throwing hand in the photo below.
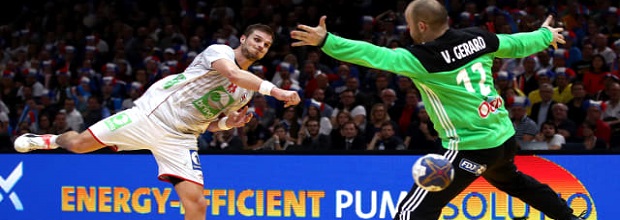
(240, 118)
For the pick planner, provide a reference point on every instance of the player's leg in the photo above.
(179, 163)
(420, 204)
(192, 198)
(507, 178)
(72, 141)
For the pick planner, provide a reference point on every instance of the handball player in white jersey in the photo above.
(209, 95)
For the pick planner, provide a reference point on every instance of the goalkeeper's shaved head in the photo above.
(426, 20)
(430, 11)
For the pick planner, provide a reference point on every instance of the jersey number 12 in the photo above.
(463, 78)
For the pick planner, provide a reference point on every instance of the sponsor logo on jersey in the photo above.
(472, 167)
(174, 81)
(117, 121)
(491, 105)
(212, 103)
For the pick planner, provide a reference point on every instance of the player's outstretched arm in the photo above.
(250, 81)
(361, 53)
(527, 43)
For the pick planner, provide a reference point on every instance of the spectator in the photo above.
(290, 122)
(226, 140)
(548, 134)
(386, 139)
(562, 90)
(593, 78)
(60, 123)
(565, 126)
(266, 114)
(576, 109)
(94, 112)
(254, 134)
(347, 102)
(602, 48)
(541, 111)
(408, 111)
(309, 137)
(527, 81)
(611, 114)
(337, 123)
(319, 97)
(44, 125)
(594, 110)
(525, 127)
(421, 134)
(313, 111)
(73, 117)
(280, 139)
(378, 116)
(351, 139)
(589, 138)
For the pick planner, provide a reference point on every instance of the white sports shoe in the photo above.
(28, 142)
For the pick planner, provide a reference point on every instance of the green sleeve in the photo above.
(523, 44)
(398, 61)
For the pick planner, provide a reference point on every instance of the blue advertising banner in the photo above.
(125, 186)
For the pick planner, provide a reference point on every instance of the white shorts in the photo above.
(176, 153)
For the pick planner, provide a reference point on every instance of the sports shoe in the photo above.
(28, 142)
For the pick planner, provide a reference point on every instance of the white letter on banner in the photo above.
(339, 201)
(358, 205)
(388, 205)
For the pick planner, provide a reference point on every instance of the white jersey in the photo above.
(189, 101)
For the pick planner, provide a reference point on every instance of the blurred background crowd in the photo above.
(67, 64)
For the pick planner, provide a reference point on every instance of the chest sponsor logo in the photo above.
(212, 103)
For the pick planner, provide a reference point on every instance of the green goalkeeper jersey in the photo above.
(453, 75)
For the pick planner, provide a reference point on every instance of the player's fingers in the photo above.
(299, 43)
(561, 41)
(304, 27)
(548, 21)
(248, 118)
(244, 111)
(296, 34)
(322, 22)
(555, 45)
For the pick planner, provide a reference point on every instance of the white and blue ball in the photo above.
(433, 172)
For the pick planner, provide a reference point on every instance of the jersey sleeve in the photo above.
(216, 52)
(399, 60)
(523, 44)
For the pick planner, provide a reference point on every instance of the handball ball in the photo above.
(432, 172)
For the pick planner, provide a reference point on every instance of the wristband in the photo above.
(266, 87)
(222, 124)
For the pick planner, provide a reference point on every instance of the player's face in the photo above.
(256, 45)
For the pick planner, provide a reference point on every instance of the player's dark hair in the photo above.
(261, 27)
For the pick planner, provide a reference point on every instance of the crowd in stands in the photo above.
(68, 64)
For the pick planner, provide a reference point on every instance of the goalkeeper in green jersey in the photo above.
(452, 70)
